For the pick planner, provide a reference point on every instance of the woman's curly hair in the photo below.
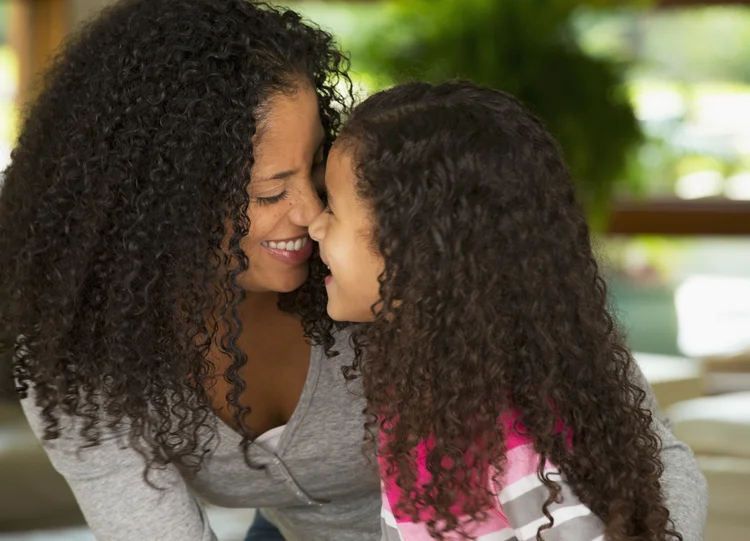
(491, 304)
(131, 168)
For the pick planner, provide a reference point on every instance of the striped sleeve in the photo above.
(521, 496)
(393, 529)
(388, 524)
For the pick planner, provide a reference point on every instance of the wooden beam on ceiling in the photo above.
(699, 3)
(677, 217)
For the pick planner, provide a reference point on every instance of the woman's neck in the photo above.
(259, 305)
(260, 312)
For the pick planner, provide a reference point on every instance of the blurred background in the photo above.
(651, 102)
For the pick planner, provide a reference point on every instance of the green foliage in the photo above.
(4, 21)
(528, 48)
(700, 45)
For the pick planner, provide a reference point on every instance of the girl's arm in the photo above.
(521, 497)
(684, 486)
(517, 516)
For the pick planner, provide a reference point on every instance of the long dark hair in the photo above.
(492, 303)
(130, 170)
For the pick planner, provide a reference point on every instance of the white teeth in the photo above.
(264, 243)
(289, 246)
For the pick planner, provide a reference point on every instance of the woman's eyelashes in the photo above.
(271, 199)
(318, 175)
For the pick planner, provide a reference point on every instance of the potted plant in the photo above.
(528, 48)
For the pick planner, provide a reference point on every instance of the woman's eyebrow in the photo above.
(283, 175)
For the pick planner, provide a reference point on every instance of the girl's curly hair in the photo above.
(131, 168)
(492, 304)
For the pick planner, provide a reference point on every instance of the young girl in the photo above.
(494, 375)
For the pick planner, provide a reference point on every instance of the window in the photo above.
(9, 82)
(678, 263)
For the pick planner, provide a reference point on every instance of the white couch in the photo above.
(717, 428)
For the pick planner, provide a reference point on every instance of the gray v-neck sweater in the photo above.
(318, 486)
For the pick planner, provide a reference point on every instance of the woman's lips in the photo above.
(291, 252)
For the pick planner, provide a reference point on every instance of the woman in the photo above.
(145, 272)
(158, 284)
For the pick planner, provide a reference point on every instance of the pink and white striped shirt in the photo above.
(518, 497)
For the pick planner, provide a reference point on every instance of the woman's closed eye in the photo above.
(270, 200)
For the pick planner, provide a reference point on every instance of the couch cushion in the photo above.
(673, 379)
(11, 413)
(32, 493)
(728, 485)
(714, 425)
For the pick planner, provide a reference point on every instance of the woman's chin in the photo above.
(279, 282)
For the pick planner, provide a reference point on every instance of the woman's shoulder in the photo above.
(341, 349)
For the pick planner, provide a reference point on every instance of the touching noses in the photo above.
(316, 229)
(307, 208)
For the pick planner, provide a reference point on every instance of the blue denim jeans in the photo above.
(262, 530)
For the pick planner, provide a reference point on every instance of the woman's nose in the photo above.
(308, 208)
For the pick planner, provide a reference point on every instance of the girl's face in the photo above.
(286, 177)
(344, 231)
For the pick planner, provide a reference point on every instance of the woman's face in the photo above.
(344, 231)
(285, 180)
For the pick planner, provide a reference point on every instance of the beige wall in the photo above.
(80, 10)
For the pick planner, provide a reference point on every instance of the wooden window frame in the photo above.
(670, 216)
(694, 3)
(39, 26)
(37, 29)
